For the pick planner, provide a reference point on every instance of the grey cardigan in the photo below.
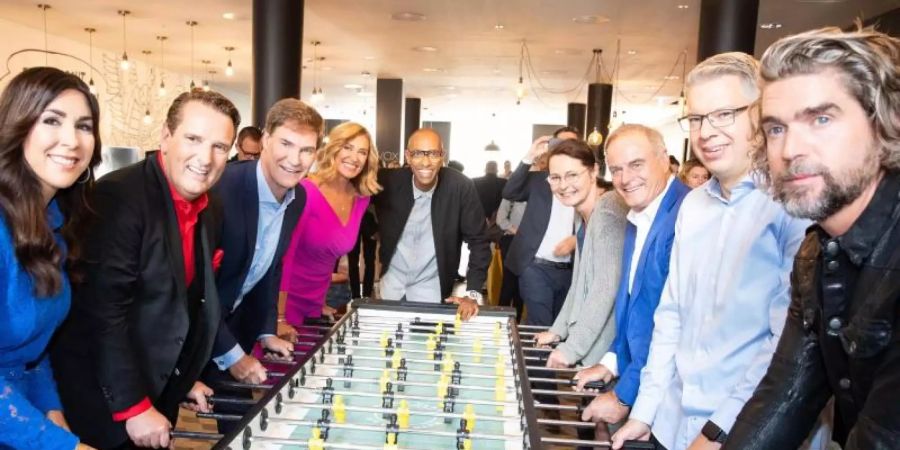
(586, 322)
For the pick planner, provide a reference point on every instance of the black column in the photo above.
(598, 108)
(575, 117)
(389, 115)
(277, 53)
(726, 26)
(412, 114)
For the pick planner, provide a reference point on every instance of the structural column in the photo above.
(727, 26)
(575, 117)
(599, 106)
(389, 115)
(412, 118)
(277, 53)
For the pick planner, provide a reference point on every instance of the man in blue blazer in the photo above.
(636, 158)
(261, 209)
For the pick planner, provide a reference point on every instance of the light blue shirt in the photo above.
(413, 273)
(268, 231)
(721, 312)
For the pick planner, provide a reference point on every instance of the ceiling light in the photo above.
(353, 86)
(366, 74)
(683, 6)
(433, 69)
(770, 26)
(124, 64)
(408, 16)
(228, 16)
(590, 20)
(192, 24)
(425, 48)
(492, 147)
(147, 118)
(229, 68)
(670, 77)
(632, 52)
(91, 32)
(499, 27)
(162, 66)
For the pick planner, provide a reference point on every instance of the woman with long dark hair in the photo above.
(49, 143)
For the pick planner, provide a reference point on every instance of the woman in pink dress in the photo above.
(337, 195)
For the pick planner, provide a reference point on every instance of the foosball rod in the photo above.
(404, 397)
(487, 342)
(532, 327)
(447, 324)
(554, 369)
(410, 371)
(304, 444)
(600, 385)
(509, 389)
(629, 445)
(195, 435)
(373, 328)
(564, 393)
(412, 412)
(419, 361)
(357, 427)
(409, 350)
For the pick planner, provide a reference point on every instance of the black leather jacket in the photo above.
(841, 339)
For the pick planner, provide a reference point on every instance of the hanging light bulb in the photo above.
(229, 69)
(147, 119)
(162, 66)
(192, 24)
(91, 87)
(162, 89)
(520, 86)
(124, 63)
(595, 138)
(206, 85)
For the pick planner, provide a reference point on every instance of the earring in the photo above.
(87, 176)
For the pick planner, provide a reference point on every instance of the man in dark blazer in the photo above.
(424, 213)
(261, 208)
(637, 159)
(540, 253)
(145, 316)
(490, 188)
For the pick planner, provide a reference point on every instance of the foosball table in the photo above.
(406, 376)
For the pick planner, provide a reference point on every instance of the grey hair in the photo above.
(654, 137)
(869, 64)
(738, 64)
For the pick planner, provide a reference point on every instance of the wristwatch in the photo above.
(712, 432)
(475, 295)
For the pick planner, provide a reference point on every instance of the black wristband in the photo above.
(712, 432)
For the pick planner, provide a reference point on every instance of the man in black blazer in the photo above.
(261, 208)
(145, 316)
(540, 253)
(424, 214)
(490, 188)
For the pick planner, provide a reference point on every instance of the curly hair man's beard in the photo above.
(840, 189)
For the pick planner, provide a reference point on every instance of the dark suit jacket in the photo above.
(258, 311)
(456, 216)
(634, 312)
(133, 317)
(490, 188)
(531, 187)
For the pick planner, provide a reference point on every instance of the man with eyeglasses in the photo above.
(424, 213)
(724, 304)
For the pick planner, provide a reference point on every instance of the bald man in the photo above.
(424, 213)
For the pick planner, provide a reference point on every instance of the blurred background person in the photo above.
(248, 145)
(694, 173)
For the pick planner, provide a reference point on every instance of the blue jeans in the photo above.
(543, 290)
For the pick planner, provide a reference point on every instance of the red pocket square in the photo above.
(217, 259)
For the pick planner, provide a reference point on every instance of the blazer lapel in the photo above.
(291, 217)
(662, 215)
(172, 232)
(251, 214)
(438, 211)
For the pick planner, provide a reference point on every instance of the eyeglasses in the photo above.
(433, 155)
(718, 118)
(569, 178)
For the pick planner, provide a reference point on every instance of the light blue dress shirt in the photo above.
(268, 231)
(721, 312)
(413, 273)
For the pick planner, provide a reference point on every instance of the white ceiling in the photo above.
(478, 64)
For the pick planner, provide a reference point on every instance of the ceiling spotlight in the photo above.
(590, 20)
(353, 86)
(770, 26)
(433, 69)
(683, 6)
(425, 48)
(499, 27)
(632, 52)
(228, 16)
(147, 118)
(366, 74)
(229, 68)
(670, 77)
(408, 16)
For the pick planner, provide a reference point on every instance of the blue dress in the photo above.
(26, 326)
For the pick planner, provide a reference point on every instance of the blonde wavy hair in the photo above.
(869, 64)
(366, 183)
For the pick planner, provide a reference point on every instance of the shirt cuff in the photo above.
(726, 414)
(263, 336)
(610, 360)
(527, 161)
(135, 410)
(644, 410)
(224, 362)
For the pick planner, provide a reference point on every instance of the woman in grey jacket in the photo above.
(585, 327)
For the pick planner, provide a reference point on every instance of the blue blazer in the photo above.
(258, 311)
(634, 313)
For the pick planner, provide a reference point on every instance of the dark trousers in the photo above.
(509, 289)
(543, 289)
(368, 281)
